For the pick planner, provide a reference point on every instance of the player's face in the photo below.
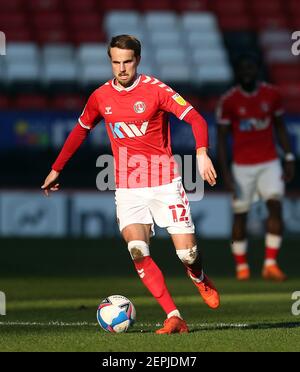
(124, 65)
(247, 72)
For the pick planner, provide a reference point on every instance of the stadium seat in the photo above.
(204, 39)
(23, 71)
(161, 21)
(65, 102)
(87, 36)
(31, 102)
(271, 22)
(274, 38)
(236, 7)
(197, 21)
(233, 23)
(167, 39)
(18, 52)
(108, 5)
(85, 21)
(266, 7)
(62, 71)
(44, 5)
(119, 19)
(55, 52)
(213, 73)
(174, 73)
(94, 74)
(11, 6)
(13, 21)
(80, 6)
(5, 102)
(92, 53)
(279, 54)
(19, 35)
(147, 5)
(171, 56)
(53, 36)
(209, 55)
(285, 72)
(191, 5)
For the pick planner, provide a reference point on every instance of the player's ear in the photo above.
(138, 60)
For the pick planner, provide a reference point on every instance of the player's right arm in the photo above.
(224, 129)
(88, 119)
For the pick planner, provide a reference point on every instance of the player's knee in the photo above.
(188, 256)
(138, 249)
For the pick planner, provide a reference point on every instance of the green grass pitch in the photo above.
(53, 288)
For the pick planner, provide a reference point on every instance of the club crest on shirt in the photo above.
(139, 107)
(177, 98)
(108, 111)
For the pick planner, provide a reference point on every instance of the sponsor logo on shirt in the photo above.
(177, 98)
(108, 111)
(252, 124)
(139, 107)
(127, 130)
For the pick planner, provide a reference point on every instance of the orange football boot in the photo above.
(173, 325)
(273, 272)
(243, 274)
(207, 291)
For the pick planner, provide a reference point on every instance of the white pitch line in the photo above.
(87, 324)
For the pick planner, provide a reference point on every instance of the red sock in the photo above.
(153, 279)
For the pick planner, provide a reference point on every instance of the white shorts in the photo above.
(263, 180)
(166, 205)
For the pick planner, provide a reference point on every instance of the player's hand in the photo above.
(289, 171)
(50, 183)
(205, 167)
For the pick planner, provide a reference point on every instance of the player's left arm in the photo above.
(171, 101)
(283, 139)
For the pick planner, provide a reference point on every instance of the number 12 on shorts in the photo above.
(178, 210)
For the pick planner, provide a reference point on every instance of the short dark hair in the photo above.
(246, 56)
(125, 42)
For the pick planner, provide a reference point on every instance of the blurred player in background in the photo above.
(252, 113)
(135, 109)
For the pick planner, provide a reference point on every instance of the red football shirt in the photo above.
(251, 116)
(137, 124)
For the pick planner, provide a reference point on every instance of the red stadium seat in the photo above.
(266, 7)
(44, 5)
(233, 23)
(149, 5)
(232, 6)
(290, 90)
(271, 22)
(31, 102)
(52, 36)
(11, 6)
(4, 103)
(48, 20)
(88, 36)
(80, 6)
(191, 5)
(12, 21)
(18, 34)
(86, 21)
(107, 5)
(284, 73)
(68, 102)
(293, 6)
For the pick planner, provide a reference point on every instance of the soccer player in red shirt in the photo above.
(135, 110)
(252, 112)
